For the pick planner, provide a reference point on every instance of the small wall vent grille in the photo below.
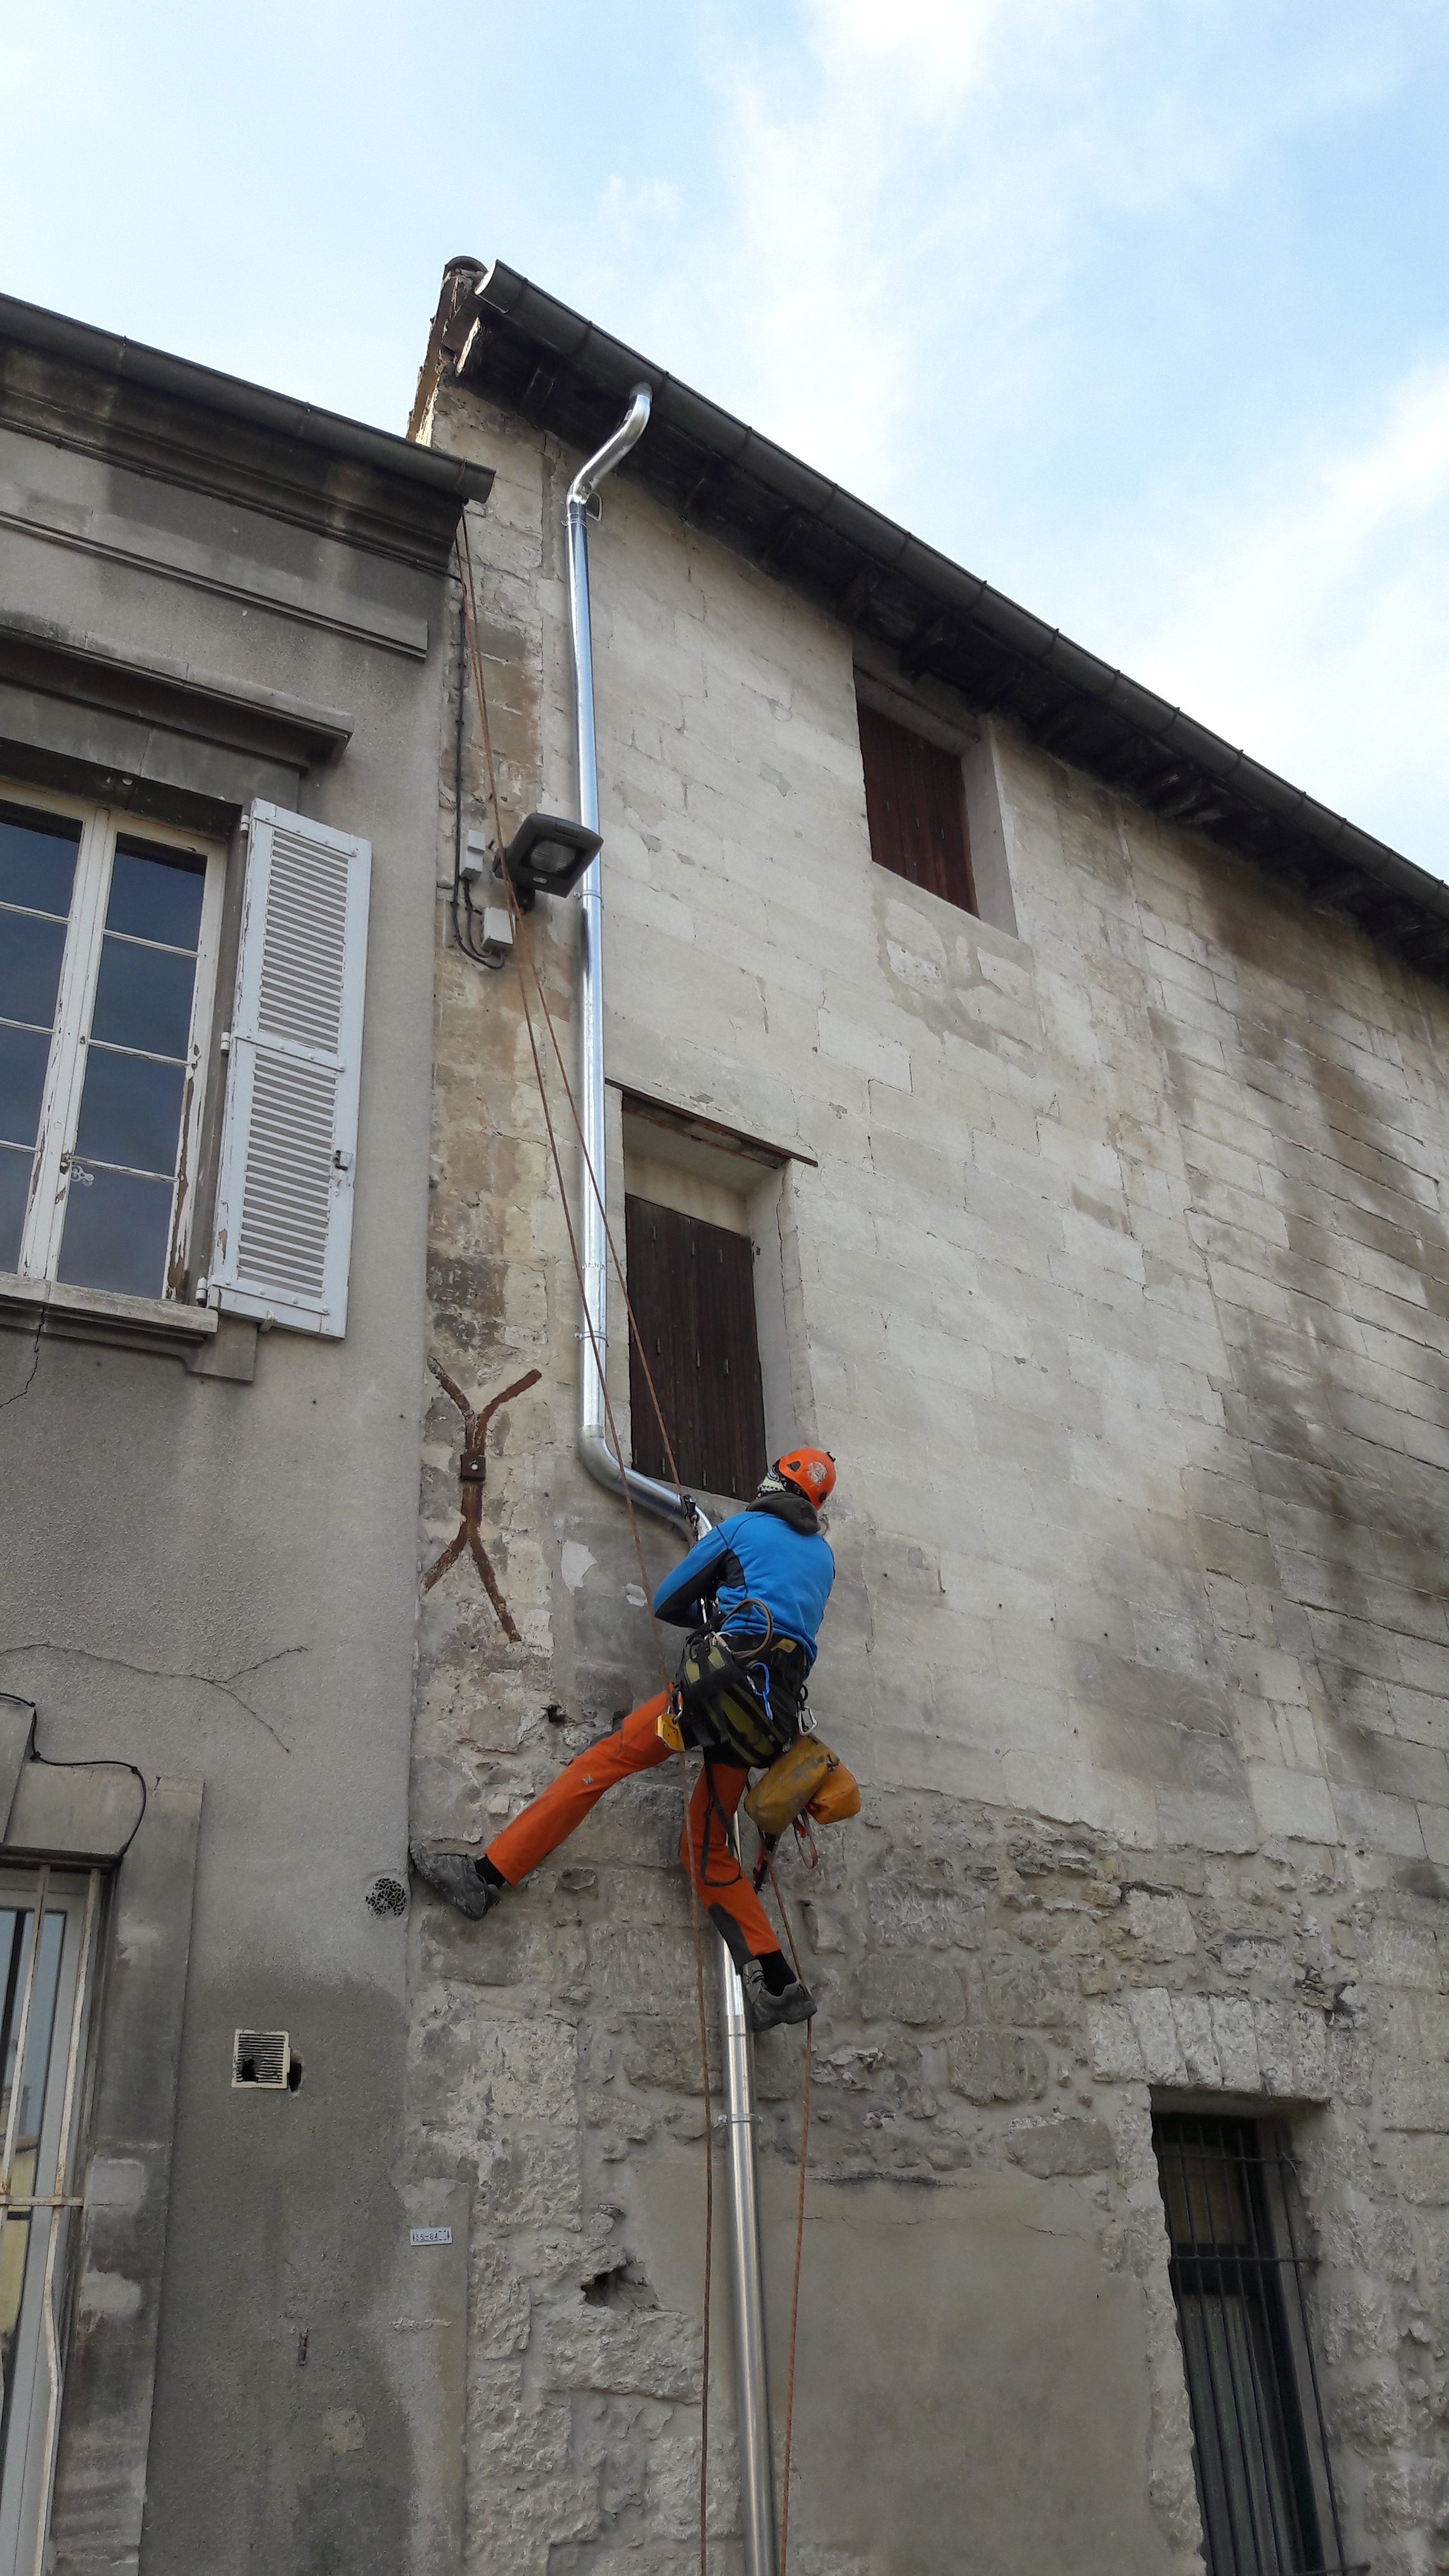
(261, 2059)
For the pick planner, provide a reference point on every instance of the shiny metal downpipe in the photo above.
(738, 2119)
(739, 2123)
(594, 1448)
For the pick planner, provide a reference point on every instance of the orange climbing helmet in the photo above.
(810, 1471)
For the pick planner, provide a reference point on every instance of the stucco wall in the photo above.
(1118, 1286)
(214, 1580)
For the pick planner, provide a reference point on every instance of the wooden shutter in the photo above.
(692, 1288)
(915, 804)
(289, 1134)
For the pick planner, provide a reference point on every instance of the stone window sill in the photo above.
(211, 1345)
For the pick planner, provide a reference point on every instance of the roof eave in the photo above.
(276, 416)
(498, 331)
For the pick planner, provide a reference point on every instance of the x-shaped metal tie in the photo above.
(472, 1472)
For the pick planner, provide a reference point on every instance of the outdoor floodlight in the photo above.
(547, 856)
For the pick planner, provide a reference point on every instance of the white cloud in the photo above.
(631, 213)
(926, 209)
(911, 192)
(1308, 619)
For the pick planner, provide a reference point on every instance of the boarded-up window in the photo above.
(692, 1289)
(916, 808)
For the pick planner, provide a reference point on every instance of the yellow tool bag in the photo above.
(808, 1776)
(838, 1798)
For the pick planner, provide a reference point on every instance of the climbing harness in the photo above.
(727, 1708)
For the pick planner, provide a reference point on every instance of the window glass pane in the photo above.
(116, 1230)
(156, 894)
(16, 1928)
(143, 998)
(24, 1056)
(130, 1112)
(37, 860)
(14, 1191)
(30, 955)
(37, 866)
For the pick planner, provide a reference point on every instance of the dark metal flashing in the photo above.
(525, 350)
(707, 1131)
(81, 388)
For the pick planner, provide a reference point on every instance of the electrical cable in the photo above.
(88, 1762)
(478, 956)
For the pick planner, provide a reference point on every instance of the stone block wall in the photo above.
(1118, 1282)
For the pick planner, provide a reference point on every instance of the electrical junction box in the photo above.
(477, 855)
(497, 933)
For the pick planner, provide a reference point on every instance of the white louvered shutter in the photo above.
(289, 1134)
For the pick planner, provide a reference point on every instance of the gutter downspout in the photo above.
(594, 1448)
(739, 2118)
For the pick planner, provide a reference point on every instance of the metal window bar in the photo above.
(46, 2210)
(1239, 2278)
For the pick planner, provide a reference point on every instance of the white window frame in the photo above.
(101, 826)
(37, 2362)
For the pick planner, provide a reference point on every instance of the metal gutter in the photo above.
(523, 348)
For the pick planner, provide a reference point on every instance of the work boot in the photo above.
(764, 2011)
(454, 1874)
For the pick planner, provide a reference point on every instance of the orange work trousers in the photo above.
(637, 1745)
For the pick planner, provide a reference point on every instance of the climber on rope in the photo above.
(752, 1593)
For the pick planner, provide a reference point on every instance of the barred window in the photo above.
(1239, 2272)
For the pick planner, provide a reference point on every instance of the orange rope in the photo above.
(526, 952)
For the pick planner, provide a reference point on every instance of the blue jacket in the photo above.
(755, 1555)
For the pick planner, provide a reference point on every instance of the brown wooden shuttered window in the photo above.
(916, 807)
(692, 1289)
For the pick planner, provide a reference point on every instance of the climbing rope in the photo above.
(525, 952)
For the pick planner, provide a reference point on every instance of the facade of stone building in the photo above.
(223, 626)
(1087, 1197)
(1097, 1231)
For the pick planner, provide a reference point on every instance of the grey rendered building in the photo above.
(1070, 1094)
(222, 622)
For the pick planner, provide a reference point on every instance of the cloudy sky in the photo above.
(1138, 307)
